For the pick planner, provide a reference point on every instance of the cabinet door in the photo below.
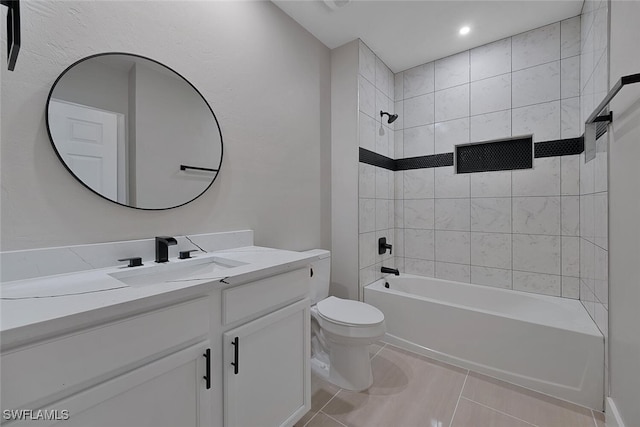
(168, 392)
(266, 369)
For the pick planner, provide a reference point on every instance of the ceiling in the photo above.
(408, 33)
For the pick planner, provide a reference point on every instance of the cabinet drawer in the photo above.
(264, 295)
(31, 375)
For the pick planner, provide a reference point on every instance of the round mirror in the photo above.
(134, 131)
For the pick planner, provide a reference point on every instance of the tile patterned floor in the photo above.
(410, 390)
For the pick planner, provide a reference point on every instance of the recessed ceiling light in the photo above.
(464, 30)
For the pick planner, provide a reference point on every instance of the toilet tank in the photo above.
(321, 274)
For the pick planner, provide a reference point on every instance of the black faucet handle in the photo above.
(383, 246)
(186, 254)
(135, 261)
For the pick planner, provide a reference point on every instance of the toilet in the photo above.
(341, 331)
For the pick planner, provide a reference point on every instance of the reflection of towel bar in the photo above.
(185, 167)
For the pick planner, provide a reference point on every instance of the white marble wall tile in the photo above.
(366, 97)
(587, 176)
(536, 254)
(419, 244)
(491, 184)
(587, 217)
(536, 85)
(418, 80)
(367, 215)
(449, 185)
(570, 175)
(367, 180)
(366, 63)
(570, 77)
(367, 275)
(452, 71)
(536, 47)
(491, 94)
(536, 215)
(491, 250)
(418, 141)
(570, 37)
(495, 277)
(455, 272)
(419, 267)
(367, 245)
(419, 183)
(570, 256)
(452, 103)
(570, 215)
(601, 275)
(398, 108)
(382, 140)
(541, 120)
(600, 175)
(452, 214)
(398, 86)
(419, 214)
(570, 118)
(398, 213)
(382, 77)
(453, 246)
(398, 181)
(392, 188)
(490, 126)
(600, 220)
(450, 133)
(383, 103)
(587, 261)
(542, 180)
(399, 144)
(418, 110)
(367, 134)
(491, 215)
(399, 261)
(491, 59)
(545, 284)
(570, 287)
(382, 214)
(600, 29)
(382, 183)
(398, 248)
(391, 143)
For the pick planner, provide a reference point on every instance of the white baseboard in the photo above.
(612, 415)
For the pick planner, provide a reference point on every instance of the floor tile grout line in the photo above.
(329, 401)
(500, 412)
(327, 415)
(453, 416)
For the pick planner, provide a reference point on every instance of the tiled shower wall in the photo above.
(594, 283)
(376, 185)
(511, 229)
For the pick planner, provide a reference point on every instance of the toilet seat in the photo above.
(349, 312)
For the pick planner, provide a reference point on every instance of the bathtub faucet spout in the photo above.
(390, 270)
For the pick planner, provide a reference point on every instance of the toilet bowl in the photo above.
(341, 332)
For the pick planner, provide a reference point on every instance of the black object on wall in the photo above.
(507, 154)
(13, 32)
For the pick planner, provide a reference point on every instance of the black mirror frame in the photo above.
(163, 65)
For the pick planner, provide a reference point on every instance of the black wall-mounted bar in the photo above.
(185, 167)
(13, 32)
(624, 80)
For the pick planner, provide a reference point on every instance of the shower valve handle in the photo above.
(383, 246)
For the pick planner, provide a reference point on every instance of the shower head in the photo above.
(392, 117)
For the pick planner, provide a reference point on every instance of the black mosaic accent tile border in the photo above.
(375, 159)
(559, 147)
(507, 154)
(423, 162)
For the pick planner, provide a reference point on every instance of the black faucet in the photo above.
(383, 246)
(162, 247)
(390, 270)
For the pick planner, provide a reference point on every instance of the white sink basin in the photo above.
(209, 268)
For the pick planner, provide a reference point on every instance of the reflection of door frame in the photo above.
(121, 150)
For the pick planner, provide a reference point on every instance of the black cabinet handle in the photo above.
(135, 261)
(236, 355)
(207, 377)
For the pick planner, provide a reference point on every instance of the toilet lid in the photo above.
(349, 312)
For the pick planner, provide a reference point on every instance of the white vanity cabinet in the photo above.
(144, 370)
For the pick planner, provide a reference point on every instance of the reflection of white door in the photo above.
(87, 140)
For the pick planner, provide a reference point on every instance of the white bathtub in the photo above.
(543, 343)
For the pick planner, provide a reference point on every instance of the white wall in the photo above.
(267, 79)
(624, 211)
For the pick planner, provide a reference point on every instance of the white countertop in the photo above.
(41, 307)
